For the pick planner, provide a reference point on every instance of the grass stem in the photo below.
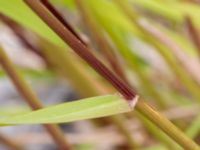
(166, 126)
(24, 89)
(80, 49)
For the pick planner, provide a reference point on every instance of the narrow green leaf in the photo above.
(89, 108)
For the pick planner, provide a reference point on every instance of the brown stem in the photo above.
(18, 31)
(61, 19)
(80, 49)
(24, 89)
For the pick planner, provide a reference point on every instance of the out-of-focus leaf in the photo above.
(13, 110)
(194, 129)
(33, 74)
(120, 28)
(160, 9)
(17, 10)
(68, 3)
(157, 147)
(89, 108)
(176, 13)
(2, 74)
(37, 74)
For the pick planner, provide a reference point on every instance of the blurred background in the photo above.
(153, 45)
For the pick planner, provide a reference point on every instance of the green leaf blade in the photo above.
(88, 108)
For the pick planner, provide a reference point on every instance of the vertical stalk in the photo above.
(124, 89)
(24, 89)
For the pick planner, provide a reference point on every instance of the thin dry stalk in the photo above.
(18, 30)
(24, 89)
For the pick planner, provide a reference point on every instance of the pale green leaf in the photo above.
(119, 28)
(176, 13)
(68, 3)
(193, 130)
(88, 108)
(20, 12)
